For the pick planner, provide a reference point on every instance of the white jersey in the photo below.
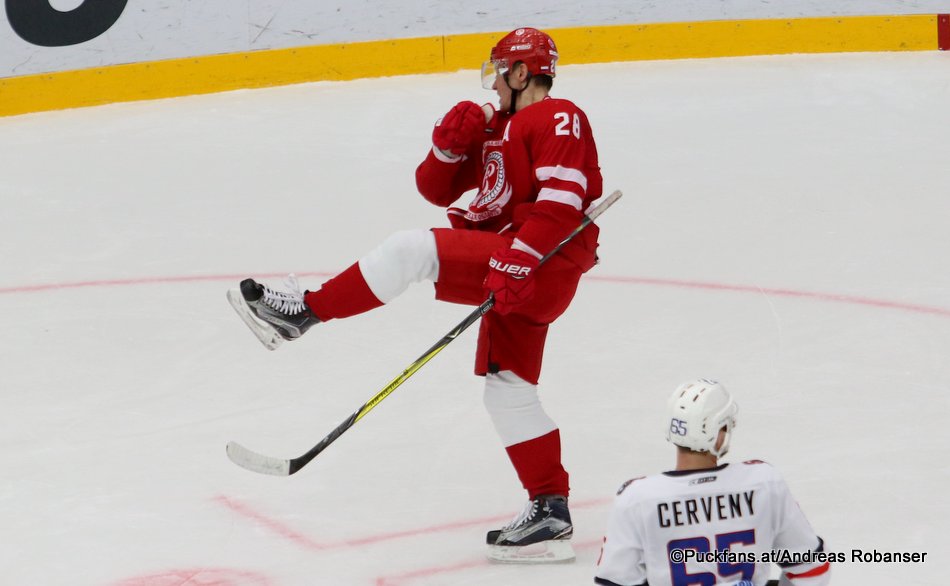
(723, 525)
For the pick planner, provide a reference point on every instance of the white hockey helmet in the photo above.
(698, 409)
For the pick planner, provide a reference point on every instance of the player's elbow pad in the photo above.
(435, 190)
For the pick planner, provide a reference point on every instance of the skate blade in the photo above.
(558, 551)
(266, 333)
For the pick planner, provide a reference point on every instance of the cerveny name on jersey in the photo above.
(706, 509)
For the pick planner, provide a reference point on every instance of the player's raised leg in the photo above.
(382, 275)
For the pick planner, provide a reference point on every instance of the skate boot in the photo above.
(280, 315)
(540, 534)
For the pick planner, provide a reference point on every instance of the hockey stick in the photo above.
(255, 462)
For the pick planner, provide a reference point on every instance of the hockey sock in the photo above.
(342, 296)
(406, 257)
(531, 438)
(538, 463)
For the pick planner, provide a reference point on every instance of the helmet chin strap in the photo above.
(515, 93)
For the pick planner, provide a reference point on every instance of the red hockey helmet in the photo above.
(530, 46)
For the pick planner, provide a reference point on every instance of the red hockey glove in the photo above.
(459, 128)
(511, 278)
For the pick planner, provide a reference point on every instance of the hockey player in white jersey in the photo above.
(705, 522)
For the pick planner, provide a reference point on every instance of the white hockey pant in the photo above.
(515, 408)
(406, 257)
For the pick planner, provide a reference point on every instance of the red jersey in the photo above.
(536, 173)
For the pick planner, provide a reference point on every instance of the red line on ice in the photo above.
(396, 579)
(400, 579)
(149, 281)
(682, 284)
(292, 535)
(198, 577)
(277, 527)
(829, 297)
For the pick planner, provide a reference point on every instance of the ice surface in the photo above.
(784, 229)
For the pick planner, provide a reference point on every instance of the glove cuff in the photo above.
(446, 156)
(519, 245)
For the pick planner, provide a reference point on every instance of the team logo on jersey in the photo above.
(495, 191)
(493, 183)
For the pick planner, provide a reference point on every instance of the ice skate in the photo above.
(273, 316)
(540, 534)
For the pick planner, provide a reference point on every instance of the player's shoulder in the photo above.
(626, 484)
(548, 107)
(641, 488)
(759, 469)
(550, 118)
(552, 103)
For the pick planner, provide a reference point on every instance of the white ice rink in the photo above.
(785, 228)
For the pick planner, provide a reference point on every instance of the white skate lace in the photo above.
(287, 302)
(529, 510)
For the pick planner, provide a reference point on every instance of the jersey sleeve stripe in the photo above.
(810, 573)
(446, 158)
(561, 196)
(562, 173)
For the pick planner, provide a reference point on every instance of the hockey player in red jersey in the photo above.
(705, 522)
(534, 166)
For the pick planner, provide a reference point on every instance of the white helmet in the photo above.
(697, 411)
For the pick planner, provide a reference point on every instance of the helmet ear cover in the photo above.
(698, 410)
